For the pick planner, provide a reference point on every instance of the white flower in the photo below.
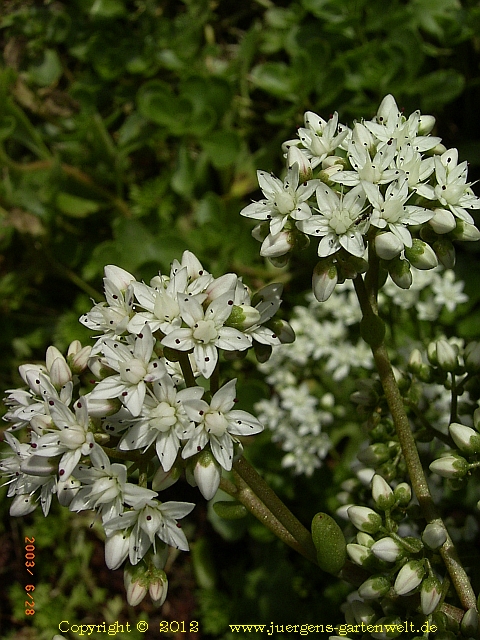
(148, 520)
(391, 124)
(320, 138)
(106, 487)
(72, 437)
(340, 223)
(391, 211)
(365, 168)
(282, 199)
(134, 371)
(205, 333)
(163, 422)
(217, 424)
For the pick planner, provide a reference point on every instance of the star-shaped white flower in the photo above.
(148, 520)
(282, 199)
(218, 424)
(340, 223)
(205, 332)
(135, 368)
(320, 138)
(163, 422)
(391, 211)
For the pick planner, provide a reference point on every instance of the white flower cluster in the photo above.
(153, 342)
(387, 184)
(301, 411)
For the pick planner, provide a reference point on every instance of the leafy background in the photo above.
(131, 130)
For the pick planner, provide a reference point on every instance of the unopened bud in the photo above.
(324, 279)
(77, 356)
(365, 519)
(359, 554)
(434, 535)
(158, 587)
(425, 125)
(382, 493)
(447, 355)
(403, 494)
(207, 473)
(400, 273)
(365, 539)
(276, 245)
(421, 255)
(295, 155)
(283, 330)
(243, 317)
(164, 479)
(466, 439)
(430, 595)
(409, 577)
(469, 623)
(136, 584)
(443, 221)
(375, 454)
(472, 356)
(466, 232)
(387, 549)
(450, 466)
(362, 612)
(388, 246)
(445, 252)
(374, 588)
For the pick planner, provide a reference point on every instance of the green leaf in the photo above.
(276, 78)
(108, 9)
(76, 207)
(47, 71)
(438, 88)
(222, 148)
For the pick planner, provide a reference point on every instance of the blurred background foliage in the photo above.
(131, 130)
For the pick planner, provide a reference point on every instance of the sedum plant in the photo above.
(110, 427)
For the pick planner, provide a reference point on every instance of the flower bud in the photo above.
(158, 587)
(365, 539)
(57, 367)
(409, 577)
(243, 317)
(359, 554)
(447, 355)
(295, 155)
(382, 493)
(469, 624)
(365, 519)
(430, 595)
(421, 255)
(443, 221)
(375, 454)
(136, 584)
(387, 549)
(466, 439)
(450, 467)
(283, 330)
(434, 535)
(426, 125)
(324, 279)
(387, 245)
(164, 479)
(445, 252)
(400, 273)
(118, 276)
(207, 473)
(77, 357)
(116, 549)
(277, 245)
(362, 612)
(466, 232)
(374, 588)
(472, 357)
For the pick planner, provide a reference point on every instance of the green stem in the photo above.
(244, 494)
(186, 367)
(273, 503)
(409, 449)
